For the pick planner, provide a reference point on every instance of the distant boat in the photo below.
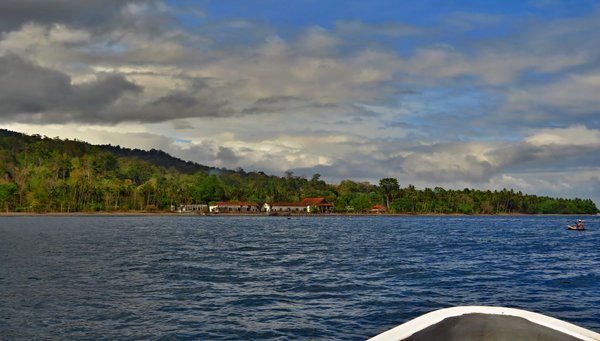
(485, 323)
(578, 227)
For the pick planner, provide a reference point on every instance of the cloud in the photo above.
(318, 41)
(573, 183)
(292, 104)
(227, 156)
(578, 135)
(473, 20)
(392, 29)
(32, 92)
(452, 163)
(314, 70)
(174, 105)
(93, 97)
(29, 88)
(479, 162)
(569, 99)
(89, 13)
(459, 162)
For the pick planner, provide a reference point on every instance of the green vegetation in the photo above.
(40, 174)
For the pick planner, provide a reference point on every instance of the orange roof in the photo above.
(287, 204)
(377, 207)
(315, 202)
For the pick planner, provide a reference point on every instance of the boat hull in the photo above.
(486, 323)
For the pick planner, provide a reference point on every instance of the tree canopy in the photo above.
(41, 174)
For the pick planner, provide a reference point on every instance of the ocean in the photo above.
(274, 278)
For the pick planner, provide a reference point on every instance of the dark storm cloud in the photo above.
(90, 13)
(28, 88)
(294, 104)
(198, 99)
(523, 156)
(36, 93)
(227, 156)
(276, 104)
(207, 152)
(176, 105)
(93, 96)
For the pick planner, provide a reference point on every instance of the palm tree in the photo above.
(389, 187)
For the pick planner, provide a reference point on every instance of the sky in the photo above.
(456, 94)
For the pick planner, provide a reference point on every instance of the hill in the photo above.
(158, 158)
(153, 156)
(41, 174)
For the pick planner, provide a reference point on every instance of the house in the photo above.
(234, 207)
(190, 208)
(320, 205)
(377, 209)
(285, 207)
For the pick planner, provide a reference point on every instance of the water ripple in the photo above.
(189, 278)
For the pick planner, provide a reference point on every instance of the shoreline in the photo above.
(178, 214)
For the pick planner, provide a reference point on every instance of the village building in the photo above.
(307, 205)
(282, 207)
(319, 205)
(234, 207)
(190, 208)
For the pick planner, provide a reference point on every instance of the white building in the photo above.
(285, 207)
(190, 208)
(234, 207)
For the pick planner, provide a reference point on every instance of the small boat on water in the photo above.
(579, 226)
(486, 323)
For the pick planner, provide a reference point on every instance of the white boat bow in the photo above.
(486, 323)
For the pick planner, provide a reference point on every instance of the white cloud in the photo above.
(575, 94)
(583, 184)
(450, 162)
(62, 34)
(316, 40)
(578, 135)
(509, 181)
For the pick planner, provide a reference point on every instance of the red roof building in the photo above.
(285, 207)
(320, 204)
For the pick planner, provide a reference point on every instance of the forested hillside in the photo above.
(41, 174)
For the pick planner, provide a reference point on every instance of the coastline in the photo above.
(178, 214)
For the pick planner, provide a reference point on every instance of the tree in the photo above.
(361, 202)
(402, 205)
(389, 187)
(7, 195)
(210, 189)
(50, 175)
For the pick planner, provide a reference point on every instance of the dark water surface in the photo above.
(254, 278)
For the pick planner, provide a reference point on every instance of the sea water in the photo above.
(274, 278)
